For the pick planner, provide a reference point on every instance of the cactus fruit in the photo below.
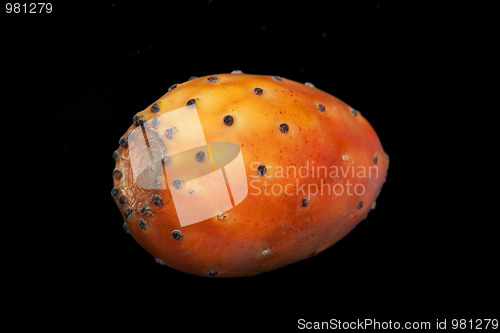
(234, 174)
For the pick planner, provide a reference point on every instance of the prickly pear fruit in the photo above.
(234, 175)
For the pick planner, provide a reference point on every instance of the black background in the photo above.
(421, 74)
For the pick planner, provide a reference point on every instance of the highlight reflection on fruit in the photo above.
(235, 174)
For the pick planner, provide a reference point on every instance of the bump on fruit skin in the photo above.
(178, 182)
(261, 170)
(128, 213)
(258, 91)
(284, 128)
(155, 122)
(200, 156)
(142, 223)
(123, 200)
(212, 79)
(146, 211)
(276, 122)
(115, 192)
(155, 108)
(123, 142)
(177, 235)
(157, 200)
(228, 120)
(169, 132)
(137, 120)
(117, 174)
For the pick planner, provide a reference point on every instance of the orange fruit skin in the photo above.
(264, 232)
